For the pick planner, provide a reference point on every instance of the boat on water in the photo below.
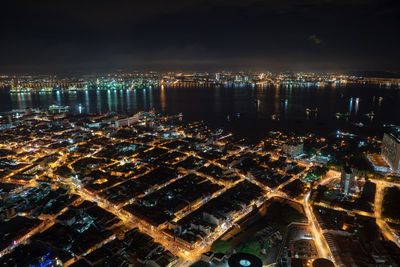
(371, 115)
(59, 109)
(359, 124)
(342, 115)
(309, 110)
(275, 117)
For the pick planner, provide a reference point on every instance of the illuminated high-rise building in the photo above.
(293, 148)
(347, 179)
(391, 150)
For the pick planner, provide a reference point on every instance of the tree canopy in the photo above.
(391, 203)
(220, 246)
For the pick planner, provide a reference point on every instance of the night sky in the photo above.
(92, 36)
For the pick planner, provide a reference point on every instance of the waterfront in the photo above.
(250, 111)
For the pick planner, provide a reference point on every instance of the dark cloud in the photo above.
(313, 38)
(199, 34)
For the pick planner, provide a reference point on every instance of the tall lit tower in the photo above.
(391, 150)
(347, 179)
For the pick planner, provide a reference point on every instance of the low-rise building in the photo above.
(127, 121)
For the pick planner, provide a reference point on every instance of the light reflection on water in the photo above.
(256, 105)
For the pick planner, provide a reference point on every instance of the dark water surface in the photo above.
(247, 111)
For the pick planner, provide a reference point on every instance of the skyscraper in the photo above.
(391, 150)
(347, 179)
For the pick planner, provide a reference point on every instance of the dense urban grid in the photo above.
(148, 189)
